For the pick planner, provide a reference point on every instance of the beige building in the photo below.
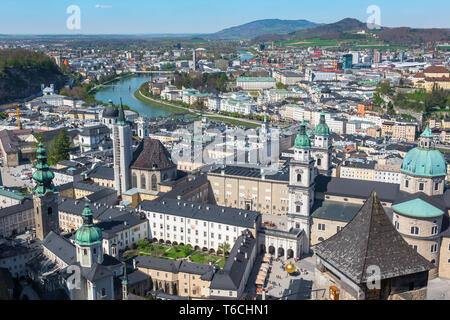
(249, 189)
(176, 277)
(431, 76)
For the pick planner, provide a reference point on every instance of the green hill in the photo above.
(22, 72)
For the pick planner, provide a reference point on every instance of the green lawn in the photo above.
(178, 252)
(206, 258)
(156, 250)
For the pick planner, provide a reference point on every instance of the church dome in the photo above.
(88, 234)
(302, 141)
(424, 161)
(322, 128)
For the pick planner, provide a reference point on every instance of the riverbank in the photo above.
(179, 109)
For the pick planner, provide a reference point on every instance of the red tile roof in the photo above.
(436, 69)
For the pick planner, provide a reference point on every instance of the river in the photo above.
(126, 89)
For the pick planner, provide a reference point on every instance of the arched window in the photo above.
(154, 182)
(319, 162)
(143, 184)
(299, 177)
(134, 180)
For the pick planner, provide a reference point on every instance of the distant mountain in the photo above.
(260, 27)
(348, 28)
(326, 31)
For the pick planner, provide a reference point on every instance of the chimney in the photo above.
(134, 263)
(222, 172)
(246, 256)
(178, 197)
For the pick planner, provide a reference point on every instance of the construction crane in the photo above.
(18, 117)
(136, 138)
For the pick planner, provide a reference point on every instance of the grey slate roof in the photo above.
(371, 239)
(333, 210)
(27, 204)
(100, 212)
(250, 172)
(175, 266)
(60, 247)
(356, 188)
(208, 212)
(102, 173)
(230, 277)
(96, 272)
(111, 227)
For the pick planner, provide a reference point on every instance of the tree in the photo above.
(225, 248)
(280, 86)
(59, 148)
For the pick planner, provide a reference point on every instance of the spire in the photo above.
(43, 176)
(121, 117)
(302, 141)
(88, 234)
(87, 215)
(322, 128)
(427, 133)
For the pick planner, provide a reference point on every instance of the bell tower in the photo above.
(301, 186)
(321, 151)
(122, 152)
(45, 197)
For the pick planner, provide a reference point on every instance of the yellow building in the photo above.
(175, 277)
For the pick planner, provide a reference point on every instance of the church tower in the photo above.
(142, 128)
(301, 186)
(45, 199)
(321, 151)
(88, 241)
(122, 152)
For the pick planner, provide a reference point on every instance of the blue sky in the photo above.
(205, 16)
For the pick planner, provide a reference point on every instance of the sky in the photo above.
(203, 16)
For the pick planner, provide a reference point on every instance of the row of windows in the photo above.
(321, 227)
(415, 230)
(143, 181)
(422, 185)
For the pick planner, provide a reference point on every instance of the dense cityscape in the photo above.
(299, 165)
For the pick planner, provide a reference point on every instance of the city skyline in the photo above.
(201, 16)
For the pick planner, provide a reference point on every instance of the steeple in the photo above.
(88, 234)
(426, 139)
(322, 128)
(121, 117)
(302, 141)
(43, 176)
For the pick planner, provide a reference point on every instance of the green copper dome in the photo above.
(88, 234)
(417, 208)
(302, 141)
(43, 176)
(424, 161)
(322, 128)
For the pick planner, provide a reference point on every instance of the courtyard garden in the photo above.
(176, 252)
